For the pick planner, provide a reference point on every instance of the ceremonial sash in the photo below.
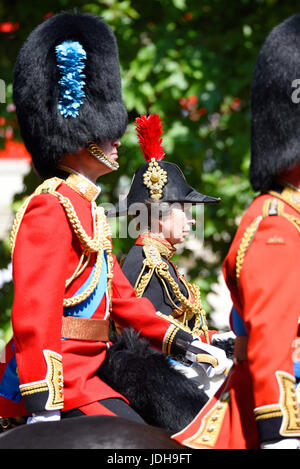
(87, 308)
(9, 384)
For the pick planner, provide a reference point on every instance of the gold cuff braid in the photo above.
(52, 384)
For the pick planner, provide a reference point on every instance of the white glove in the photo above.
(285, 443)
(46, 416)
(223, 336)
(223, 362)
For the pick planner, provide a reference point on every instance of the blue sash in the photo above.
(239, 329)
(9, 384)
(87, 308)
(238, 325)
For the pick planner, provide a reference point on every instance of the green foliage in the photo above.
(190, 61)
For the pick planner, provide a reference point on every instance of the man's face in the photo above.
(104, 164)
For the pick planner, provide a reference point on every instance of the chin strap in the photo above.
(99, 154)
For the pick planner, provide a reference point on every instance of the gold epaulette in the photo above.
(271, 207)
(48, 186)
(290, 196)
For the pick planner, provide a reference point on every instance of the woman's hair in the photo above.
(150, 213)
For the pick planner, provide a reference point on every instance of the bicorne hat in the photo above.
(275, 106)
(67, 88)
(157, 180)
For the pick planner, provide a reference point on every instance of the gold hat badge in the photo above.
(149, 130)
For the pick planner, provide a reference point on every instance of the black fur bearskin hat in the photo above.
(275, 123)
(67, 88)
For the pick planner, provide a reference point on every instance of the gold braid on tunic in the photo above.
(100, 243)
(272, 206)
(154, 248)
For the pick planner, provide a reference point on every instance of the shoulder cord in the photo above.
(143, 279)
(271, 207)
(100, 243)
(190, 309)
(244, 245)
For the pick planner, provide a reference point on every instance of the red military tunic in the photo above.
(39, 368)
(258, 401)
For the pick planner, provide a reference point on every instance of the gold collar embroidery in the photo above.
(81, 184)
(290, 195)
(164, 247)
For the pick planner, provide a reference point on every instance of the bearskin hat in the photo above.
(63, 101)
(275, 121)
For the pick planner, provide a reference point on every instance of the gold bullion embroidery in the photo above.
(154, 263)
(155, 179)
(289, 404)
(32, 388)
(168, 339)
(54, 379)
(267, 412)
(162, 246)
(289, 195)
(53, 383)
(83, 186)
(275, 240)
(208, 433)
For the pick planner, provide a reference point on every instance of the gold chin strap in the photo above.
(96, 151)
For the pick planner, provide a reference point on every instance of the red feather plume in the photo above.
(149, 131)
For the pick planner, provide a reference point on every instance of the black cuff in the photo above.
(45, 394)
(268, 429)
(36, 402)
(176, 342)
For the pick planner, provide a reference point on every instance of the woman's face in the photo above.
(176, 225)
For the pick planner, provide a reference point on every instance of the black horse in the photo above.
(165, 398)
(158, 392)
(87, 432)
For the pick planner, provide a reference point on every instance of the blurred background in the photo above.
(190, 61)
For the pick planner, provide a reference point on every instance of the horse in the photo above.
(88, 432)
(157, 390)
